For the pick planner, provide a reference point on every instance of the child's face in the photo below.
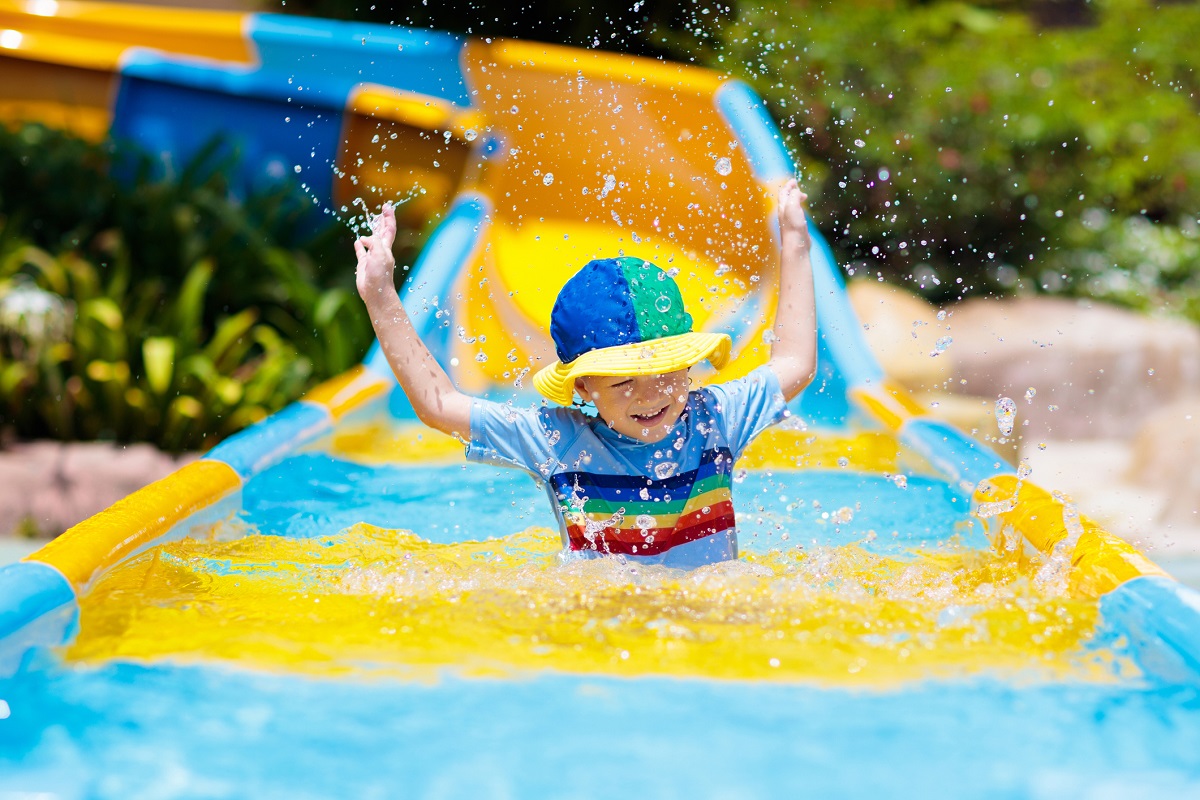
(643, 407)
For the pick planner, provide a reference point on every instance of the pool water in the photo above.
(371, 629)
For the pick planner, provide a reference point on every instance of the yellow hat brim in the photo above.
(655, 357)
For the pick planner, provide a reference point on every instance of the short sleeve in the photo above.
(509, 436)
(748, 406)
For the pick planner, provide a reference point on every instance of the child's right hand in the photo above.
(376, 264)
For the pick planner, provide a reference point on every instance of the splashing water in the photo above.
(375, 600)
(610, 183)
(368, 222)
(940, 346)
(1006, 414)
(724, 166)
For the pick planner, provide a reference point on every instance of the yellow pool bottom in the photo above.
(376, 601)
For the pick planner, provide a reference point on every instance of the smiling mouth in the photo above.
(650, 420)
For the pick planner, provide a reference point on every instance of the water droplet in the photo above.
(665, 470)
(940, 346)
(481, 357)
(663, 303)
(610, 183)
(646, 522)
(1024, 470)
(470, 134)
(548, 178)
(1006, 413)
(859, 143)
(724, 166)
(1030, 393)
(298, 169)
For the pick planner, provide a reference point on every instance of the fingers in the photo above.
(389, 223)
(360, 249)
(790, 194)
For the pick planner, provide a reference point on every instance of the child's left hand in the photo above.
(791, 210)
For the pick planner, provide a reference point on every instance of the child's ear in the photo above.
(581, 389)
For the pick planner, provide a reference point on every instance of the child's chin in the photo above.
(653, 434)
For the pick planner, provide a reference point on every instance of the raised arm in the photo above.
(794, 352)
(437, 403)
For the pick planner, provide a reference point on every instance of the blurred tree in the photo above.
(961, 147)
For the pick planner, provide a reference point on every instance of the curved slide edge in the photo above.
(38, 607)
(1154, 610)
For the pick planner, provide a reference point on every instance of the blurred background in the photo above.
(1013, 189)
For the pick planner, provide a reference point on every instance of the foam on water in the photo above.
(377, 600)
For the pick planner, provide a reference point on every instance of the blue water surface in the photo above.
(314, 494)
(122, 731)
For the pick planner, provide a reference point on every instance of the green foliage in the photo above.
(272, 252)
(186, 313)
(1130, 261)
(960, 147)
(88, 353)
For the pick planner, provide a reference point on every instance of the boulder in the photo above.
(47, 487)
(1165, 454)
(1095, 370)
(913, 343)
(902, 330)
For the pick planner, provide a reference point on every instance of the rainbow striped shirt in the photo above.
(669, 502)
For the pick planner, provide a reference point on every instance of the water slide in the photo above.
(334, 603)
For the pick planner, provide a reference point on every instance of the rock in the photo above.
(1095, 369)
(909, 341)
(1165, 453)
(902, 330)
(46, 487)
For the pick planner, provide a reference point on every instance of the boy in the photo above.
(649, 477)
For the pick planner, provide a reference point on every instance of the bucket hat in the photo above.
(622, 316)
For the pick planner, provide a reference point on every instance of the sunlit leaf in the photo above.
(158, 357)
